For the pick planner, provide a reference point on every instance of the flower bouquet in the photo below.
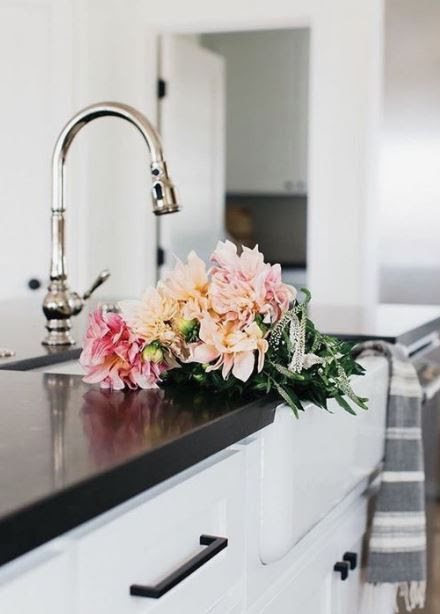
(235, 328)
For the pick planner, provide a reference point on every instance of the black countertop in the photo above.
(69, 451)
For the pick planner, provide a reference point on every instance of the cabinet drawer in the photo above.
(146, 544)
(315, 586)
(231, 603)
(39, 583)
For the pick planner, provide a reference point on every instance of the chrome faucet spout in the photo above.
(60, 304)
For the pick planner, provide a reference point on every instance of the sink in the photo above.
(309, 465)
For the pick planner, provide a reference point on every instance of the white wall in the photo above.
(56, 57)
(410, 173)
(114, 55)
(117, 61)
(35, 98)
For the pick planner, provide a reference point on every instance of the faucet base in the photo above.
(52, 339)
(58, 333)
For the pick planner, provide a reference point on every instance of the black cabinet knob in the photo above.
(351, 558)
(343, 568)
(34, 283)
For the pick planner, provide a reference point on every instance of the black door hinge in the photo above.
(161, 88)
(160, 256)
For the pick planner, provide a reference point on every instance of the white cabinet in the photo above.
(346, 594)
(144, 542)
(146, 545)
(319, 601)
(310, 582)
(147, 540)
(266, 109)
(40, 582)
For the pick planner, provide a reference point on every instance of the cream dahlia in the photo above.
(188, 284)
(230, 348)
(151, 317)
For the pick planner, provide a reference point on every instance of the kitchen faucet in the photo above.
(60, 304)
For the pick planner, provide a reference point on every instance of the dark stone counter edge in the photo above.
(46, 519)
(407, 338)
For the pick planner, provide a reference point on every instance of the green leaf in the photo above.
(307, 295)
(287, 373)
(287, 341)
(362, 402)
(287, 398)
(343, 403)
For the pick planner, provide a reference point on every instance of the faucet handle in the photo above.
(102, 277)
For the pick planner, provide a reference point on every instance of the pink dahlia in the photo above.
(112, 355)
(243, 285)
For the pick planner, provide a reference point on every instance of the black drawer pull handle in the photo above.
(342, 568)
(214, 546)
(351, 558)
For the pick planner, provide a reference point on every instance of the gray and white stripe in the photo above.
(408, 432)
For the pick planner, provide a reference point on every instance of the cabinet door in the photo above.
(38, 583)
(334, 595)
(311, 584)
(316, 600)
(147, 540)
(345, 595)
(319, 601)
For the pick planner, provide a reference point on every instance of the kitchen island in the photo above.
(179, 501)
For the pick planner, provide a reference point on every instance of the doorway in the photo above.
(234, 119)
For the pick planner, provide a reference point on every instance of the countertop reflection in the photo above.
(118, 424)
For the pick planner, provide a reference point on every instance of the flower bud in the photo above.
(261, 324)
(187, 328)
(153, 352)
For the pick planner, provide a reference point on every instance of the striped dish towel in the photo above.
(397, 548)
